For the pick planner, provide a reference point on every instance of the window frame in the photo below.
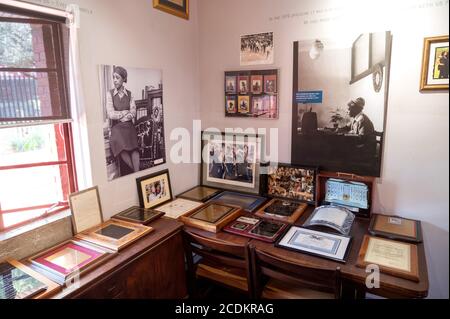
(61, 69)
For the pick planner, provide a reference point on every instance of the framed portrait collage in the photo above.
(252, 94)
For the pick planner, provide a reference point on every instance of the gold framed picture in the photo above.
(395, 258)
(114, 234)
(211, 217)
(179, 8)
(435, 64)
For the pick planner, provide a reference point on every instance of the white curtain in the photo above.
(79, 127)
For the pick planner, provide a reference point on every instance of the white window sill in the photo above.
(9, 234)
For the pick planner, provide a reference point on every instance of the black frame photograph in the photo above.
(154, 189)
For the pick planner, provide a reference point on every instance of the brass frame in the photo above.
(425, 63)
(185, 14)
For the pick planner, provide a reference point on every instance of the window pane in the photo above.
(32, 187)
(24, 45)
(13, 219)
(33, 144)
(29, 94)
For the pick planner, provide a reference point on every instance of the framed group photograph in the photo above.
(69, 259)
(154, 189)
(292, 182)
(396, 228)
(139, 215)
(231, 161)
(179, 8)
(252, 94)
(211, 217)
(257, 228)
(330, 246)
(179, 207)
(395, 258)
(435, 64)
(114, 234)
(247, 202)
(200, 193)
(257, 49)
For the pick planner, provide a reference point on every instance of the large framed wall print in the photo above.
(338, 117)
(232, 161)
(252, 94)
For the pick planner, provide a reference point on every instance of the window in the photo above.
(37, 171)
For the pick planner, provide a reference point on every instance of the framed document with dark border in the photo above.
(211, 217)
(247, 202)
(396, 228)
(283, 210)
(256, 228)
(330, 246)
(66, 261)
(114, 234)
(396, 258)
(200, 193)
(139, 215)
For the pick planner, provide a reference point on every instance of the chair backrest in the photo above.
(224, 253)
(320, 279)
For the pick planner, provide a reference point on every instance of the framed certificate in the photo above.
(179, 207)
(200, 193)
(394, 227)
(86, 209)
(247, 202)
(256, 228)
(139, 215)
(395, 258)
(69, 259)
(211, 217)
(114, 234)
(335, 217)
(316, 243)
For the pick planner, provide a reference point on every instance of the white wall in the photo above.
(415, 172)
(135, 35)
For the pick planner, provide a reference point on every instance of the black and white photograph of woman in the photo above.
(132, 100)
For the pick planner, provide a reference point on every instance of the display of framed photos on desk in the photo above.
(335, 217)
(18, 281)
(200, 193)
(247, 202)
(69, 260)
(252, 94)
(114, 234)
(316, 243)
(395, 258)
(232, 161)
(256, 228)
(139, 215)
(179, 207)
(154, 189)
(211, 217)
(396, 228)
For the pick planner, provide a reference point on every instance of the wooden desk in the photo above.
(354, 278)
(151, 268)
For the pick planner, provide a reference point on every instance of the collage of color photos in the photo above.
(251, 94)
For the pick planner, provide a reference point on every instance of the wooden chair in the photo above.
(288, 280)
(221, 262)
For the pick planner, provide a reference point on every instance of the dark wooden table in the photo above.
(354, 278)
(151, 268)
